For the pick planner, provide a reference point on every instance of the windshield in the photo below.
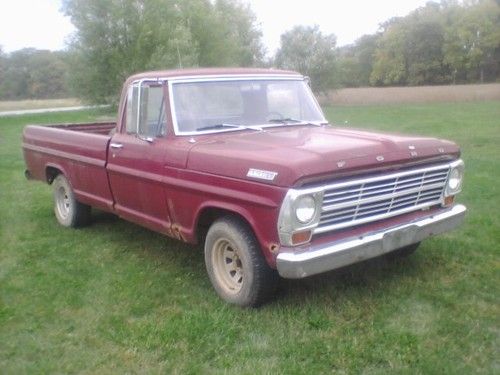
(215, 106)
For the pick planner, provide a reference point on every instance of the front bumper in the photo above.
(335, 255)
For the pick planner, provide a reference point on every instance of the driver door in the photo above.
(136, 158)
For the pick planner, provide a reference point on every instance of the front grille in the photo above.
(369, 199)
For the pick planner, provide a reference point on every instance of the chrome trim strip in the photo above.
(234, 77)
(221, 77)
(338, 254)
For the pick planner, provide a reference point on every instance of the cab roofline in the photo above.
(210, 72)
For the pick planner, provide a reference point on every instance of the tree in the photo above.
(424, 45)
(440, 43)
(2, 72)
(242, 38)
(116, 38)
(364, 52)
(355, 62)
(225, 32)
(472, 41)
(411, 49)
(2, 58)
(31, 74)
(390, 63)
(307, 50)
(47, 78)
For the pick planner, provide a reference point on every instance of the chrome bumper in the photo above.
(342, 253)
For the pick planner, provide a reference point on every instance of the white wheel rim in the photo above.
(62, 202)
(227, 266)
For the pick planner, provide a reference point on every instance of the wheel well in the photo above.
(51, 173)
(209, 215)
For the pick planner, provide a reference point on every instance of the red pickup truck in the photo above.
(244, 161)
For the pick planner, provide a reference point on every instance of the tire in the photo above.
(404, 251)
(69, 212)
(235, 265)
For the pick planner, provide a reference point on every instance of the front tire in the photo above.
(235, 265)
(69, 212)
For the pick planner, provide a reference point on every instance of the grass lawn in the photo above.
(115, 298)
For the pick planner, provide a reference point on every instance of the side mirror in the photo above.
(307, 79)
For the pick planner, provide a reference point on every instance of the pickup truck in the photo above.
(244, 162)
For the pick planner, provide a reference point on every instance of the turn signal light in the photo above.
(448, 201)
(301, 237)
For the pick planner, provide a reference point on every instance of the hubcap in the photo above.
(228, 268)
(62, 202)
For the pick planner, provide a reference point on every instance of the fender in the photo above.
(266, 235)
(57, 166)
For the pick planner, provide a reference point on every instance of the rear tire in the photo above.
(69, 212)
(235, 265)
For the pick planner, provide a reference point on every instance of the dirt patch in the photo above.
(15, 105)
(421, 94)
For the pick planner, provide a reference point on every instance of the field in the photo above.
(116, 298)
(411, 95)
(38, 104)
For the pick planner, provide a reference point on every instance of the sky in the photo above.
(40, 24)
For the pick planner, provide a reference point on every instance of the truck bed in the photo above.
(93, 127)
(77, 150)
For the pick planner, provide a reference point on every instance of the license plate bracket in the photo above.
(399, 238)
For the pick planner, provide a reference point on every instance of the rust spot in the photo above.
(274, 248)
(176, 232)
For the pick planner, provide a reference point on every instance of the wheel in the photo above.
(404, 251)
(235, 265)
(69, 212)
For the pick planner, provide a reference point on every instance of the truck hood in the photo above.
(298, 154)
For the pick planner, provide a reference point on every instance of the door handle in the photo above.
(116, 145)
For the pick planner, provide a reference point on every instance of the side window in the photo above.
(149, 101)
(131, 113)
(152, 113)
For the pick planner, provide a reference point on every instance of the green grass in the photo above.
(115, 298)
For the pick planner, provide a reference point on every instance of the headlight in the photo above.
(454, 184)
(305, 209)
(299, 215)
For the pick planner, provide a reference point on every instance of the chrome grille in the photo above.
(369, 199)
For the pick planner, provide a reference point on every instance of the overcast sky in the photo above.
(39, 24)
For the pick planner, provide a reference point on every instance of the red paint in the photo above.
(166, 185)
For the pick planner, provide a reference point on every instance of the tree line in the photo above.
(33, 74)
(441, 43)
(119, 37)
(448, 42)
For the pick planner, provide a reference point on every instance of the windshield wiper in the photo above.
(284, 120)
(226, 125)
(289, 120)
(218, 126)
